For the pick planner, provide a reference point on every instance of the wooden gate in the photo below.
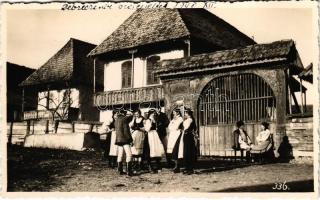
(228, 99)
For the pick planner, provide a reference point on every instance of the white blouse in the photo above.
(175, 123)
(147, 125)
(186, 123)
(106, 125)
(263, 136)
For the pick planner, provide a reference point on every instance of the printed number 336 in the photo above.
(280, 186)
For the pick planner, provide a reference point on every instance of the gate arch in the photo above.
(227, 99)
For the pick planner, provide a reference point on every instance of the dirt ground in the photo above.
(32, 169)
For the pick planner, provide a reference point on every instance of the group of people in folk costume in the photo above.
(142, 140)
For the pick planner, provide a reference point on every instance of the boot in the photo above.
(176, 168)
(139, 166)
(153, 169)
(129, 169)
(113, 162)
(109, 162)
(120, 168)
(158, 164)
(170, 163)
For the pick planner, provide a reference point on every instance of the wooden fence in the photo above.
(16, 132)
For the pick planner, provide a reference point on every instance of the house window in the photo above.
(126, 70)
(151, 76)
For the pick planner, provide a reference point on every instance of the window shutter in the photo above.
(126, 69)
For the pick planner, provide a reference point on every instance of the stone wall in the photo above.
(300, 136)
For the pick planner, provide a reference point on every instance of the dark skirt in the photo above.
(107, 144)
(146, 149)
(175, 150)
(189, 150)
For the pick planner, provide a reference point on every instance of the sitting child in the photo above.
(243, 138)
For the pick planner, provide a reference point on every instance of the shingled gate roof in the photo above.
(146, 26)
(61, 66)
(258, 53)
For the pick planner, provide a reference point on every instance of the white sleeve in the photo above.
(131, 123)
(187, 123)
(249, 140)
(105, 126)
(180, 121)
(147, 125)
(265, 136)
(240, 140)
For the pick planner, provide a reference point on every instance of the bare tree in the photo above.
(57, 107)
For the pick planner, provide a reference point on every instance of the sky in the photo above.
(33, 36)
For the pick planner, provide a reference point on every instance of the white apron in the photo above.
(155, 144)
(138, 139)
(174, 133)
(113, 147)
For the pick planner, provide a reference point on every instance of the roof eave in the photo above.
(155, 44)
(207, 67)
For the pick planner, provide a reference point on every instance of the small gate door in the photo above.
(228, 99)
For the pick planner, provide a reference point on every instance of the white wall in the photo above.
(112, 76)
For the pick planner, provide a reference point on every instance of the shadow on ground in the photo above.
(208, 165)
(35, 169)
(294, 186)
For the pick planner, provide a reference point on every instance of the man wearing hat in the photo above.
(123, 140)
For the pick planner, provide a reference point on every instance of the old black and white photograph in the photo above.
(161, 97)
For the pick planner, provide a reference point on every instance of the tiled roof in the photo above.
(61, 66)
(241, 56)
(147, 26)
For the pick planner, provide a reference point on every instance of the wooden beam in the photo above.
(132, 52)
(94, 75)
(305, 101)
(294, 99)
(188, 42)
(301, 96)
(22, 103)
(289, 92)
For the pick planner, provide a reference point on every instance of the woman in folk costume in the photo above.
(138, 135)
(175, 145)
(263, 139)
(162, 121)
(155, 144)
(124, 141)
(113, 153)
(189, 146)
(112, 149)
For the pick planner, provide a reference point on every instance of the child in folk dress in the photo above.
(138, 136)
